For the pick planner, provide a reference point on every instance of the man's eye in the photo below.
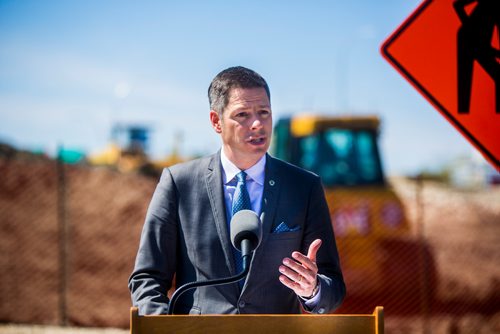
(241, 114)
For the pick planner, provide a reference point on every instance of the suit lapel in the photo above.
(269, 205)
(270, 196)
(215, 191)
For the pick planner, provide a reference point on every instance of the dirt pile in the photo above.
(104, 213)
(463, 229)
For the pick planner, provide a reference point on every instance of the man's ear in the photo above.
(215, 120)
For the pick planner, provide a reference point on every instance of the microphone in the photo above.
(246, 234)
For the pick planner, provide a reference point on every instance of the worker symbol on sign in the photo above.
(478, 39)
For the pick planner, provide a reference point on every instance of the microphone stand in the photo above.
(246, 250)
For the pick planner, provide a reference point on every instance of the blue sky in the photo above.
(69, 70)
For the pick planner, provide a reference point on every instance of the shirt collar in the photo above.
(256, 172)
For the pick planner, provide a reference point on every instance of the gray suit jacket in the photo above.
(186, 234)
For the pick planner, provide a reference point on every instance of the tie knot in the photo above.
(242, 177)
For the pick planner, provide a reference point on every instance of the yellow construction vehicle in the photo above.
(379, 255)
(127, 151)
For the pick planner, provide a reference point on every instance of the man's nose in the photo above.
(256, 122)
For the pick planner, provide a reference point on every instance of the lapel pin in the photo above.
(271, 183)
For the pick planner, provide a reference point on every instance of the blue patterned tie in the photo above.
(241, 201)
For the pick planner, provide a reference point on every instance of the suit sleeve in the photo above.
(156, 258)
(318, 225)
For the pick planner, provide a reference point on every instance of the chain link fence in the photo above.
(69, 239)
(70, 235)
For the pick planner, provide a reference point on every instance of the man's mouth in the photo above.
(257, 140)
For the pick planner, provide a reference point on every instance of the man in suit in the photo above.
(186, 231)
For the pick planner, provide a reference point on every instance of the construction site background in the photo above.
(70, 235)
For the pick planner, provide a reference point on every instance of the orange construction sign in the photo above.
(449, 50)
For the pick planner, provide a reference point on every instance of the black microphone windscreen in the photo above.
(245, 224)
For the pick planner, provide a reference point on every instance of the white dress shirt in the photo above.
(254, 183)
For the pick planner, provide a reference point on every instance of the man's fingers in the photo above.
(288, 282)
(313, 249)
(294, 276)
(300, 269)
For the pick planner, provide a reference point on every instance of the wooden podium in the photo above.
(258, 324)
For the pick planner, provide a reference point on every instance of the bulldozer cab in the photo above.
(342, 151)
(133, 139)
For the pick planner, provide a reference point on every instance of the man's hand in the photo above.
(300, 274)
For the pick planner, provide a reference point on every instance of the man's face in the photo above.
(245, 126)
